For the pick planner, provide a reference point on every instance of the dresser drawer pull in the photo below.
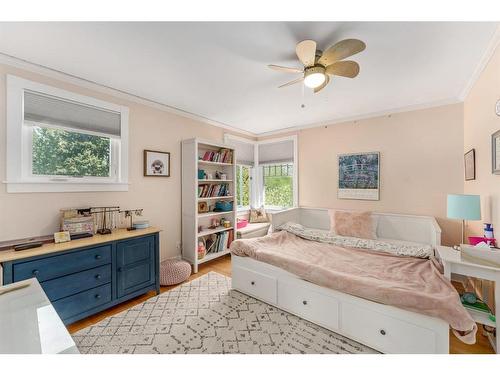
(382, 332)
(253, 282)
(98, 277)
(97, 257)
(120, 269)
(304, 302)
(97, 296)
(35, 272)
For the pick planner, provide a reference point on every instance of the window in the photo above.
(59, 152)
(61, 141)
(273, 180)
(243, 186)
(278, 185)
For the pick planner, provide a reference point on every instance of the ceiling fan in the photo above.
(319, 65)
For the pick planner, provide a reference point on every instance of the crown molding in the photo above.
(16, 62)
(483, 62)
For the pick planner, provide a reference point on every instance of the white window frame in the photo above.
(257, 185)
(19, 145)
(237, 187)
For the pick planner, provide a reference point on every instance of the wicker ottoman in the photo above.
(174, 272)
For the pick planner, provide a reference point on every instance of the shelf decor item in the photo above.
(208, 187)
(359, 176)
(156, 163)
(470, 165)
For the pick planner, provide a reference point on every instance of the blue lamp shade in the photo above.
(464, 207)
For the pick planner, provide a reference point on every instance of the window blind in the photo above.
(244, 151)
(276, 152)
(56, 111)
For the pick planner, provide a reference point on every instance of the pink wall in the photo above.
(421, 162)
(480, 122)
(35, 214)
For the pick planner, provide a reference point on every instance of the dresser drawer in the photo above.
(295, 297)
(61, 265)
(256, 284)
(83, 301)
(77, 282)
(386, 333)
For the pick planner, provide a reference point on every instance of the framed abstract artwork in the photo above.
(156, 163)
(470, 165)
(359, 176)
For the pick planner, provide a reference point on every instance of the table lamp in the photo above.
(464, 207)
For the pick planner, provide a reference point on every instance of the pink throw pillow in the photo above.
(353, 224)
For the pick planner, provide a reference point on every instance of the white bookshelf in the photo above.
(192, 151)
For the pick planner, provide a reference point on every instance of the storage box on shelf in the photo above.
(208, 201)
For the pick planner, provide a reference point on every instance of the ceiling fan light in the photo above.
(314, 80)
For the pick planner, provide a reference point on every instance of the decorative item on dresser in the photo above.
(85, 276)
(206, 200)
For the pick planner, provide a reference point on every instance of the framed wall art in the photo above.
(156, 163)
(495, 153)
(470, 165)
(359, 176)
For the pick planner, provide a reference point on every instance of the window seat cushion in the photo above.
(253, 230)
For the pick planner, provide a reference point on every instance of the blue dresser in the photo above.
(90, 278)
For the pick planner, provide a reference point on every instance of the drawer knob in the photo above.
(97, 296)
(98, 277)
(120, 269)
(97, 257)
(35, 272)
(304, 302)
(382, 332)
(253, 283)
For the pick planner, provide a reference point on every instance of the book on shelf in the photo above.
(224, 155)
(213, 190)
(215, 243)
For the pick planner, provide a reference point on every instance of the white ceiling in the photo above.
(218, 70)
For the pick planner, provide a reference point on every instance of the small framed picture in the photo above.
(495, 153)
(156, 163)
(202, 207)
(470, 165)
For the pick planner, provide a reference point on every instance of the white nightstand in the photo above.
(453, 263)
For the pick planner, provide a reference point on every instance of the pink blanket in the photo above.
(413, 284)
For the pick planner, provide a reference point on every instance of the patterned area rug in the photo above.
(206, 316)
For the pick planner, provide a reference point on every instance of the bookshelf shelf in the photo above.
(213, 231)
(193, 150)
(212, 256)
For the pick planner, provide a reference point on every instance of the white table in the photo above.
(28, 322)
(453, 263)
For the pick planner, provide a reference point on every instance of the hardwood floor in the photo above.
(223, 266)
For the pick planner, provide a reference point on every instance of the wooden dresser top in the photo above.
(118, 234)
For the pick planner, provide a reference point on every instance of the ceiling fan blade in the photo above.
(292, 82)
(285, 69)
(341, 50)
(319, 88)
(306, 52)
(346, 68)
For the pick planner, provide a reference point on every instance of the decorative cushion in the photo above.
(174, 271)
(258, 215)
(353, 224)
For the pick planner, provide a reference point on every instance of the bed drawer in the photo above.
(386, 333)
(295, 297)
(256, 284)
